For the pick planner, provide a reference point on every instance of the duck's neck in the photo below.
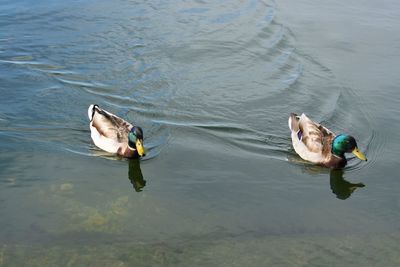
(337, 152)
(337, 149)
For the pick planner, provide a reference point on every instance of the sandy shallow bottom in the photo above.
(346, 250)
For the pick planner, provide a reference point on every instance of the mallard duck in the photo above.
(115, 135)
(313, 142)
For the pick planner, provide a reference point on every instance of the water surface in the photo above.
(212, 84)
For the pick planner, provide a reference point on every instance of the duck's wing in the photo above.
(110, 126)
(314, 136)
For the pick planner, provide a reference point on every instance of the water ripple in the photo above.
(228, 69)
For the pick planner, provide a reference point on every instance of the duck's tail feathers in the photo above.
(294, 122)
(92, 110)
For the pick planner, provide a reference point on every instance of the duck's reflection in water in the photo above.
(135, 175)
(340, 187)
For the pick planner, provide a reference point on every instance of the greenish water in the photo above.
(212, 84)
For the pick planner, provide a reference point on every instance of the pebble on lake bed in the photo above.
(67, 187)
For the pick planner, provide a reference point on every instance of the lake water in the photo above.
(212, 84)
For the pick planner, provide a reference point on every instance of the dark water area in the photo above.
(212, 84)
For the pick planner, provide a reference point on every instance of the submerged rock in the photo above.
(67, 187)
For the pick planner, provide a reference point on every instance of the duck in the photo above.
(115, 135)
(315, 143)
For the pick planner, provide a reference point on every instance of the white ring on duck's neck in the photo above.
(131, 148)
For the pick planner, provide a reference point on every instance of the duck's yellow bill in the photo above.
(140, 148)
(358, 154)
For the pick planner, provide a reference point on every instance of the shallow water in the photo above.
(212, 84)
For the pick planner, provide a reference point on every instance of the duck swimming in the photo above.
(315, 143)
(115, 135)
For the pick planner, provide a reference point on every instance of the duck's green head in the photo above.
(344, 143)
(135, 140)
